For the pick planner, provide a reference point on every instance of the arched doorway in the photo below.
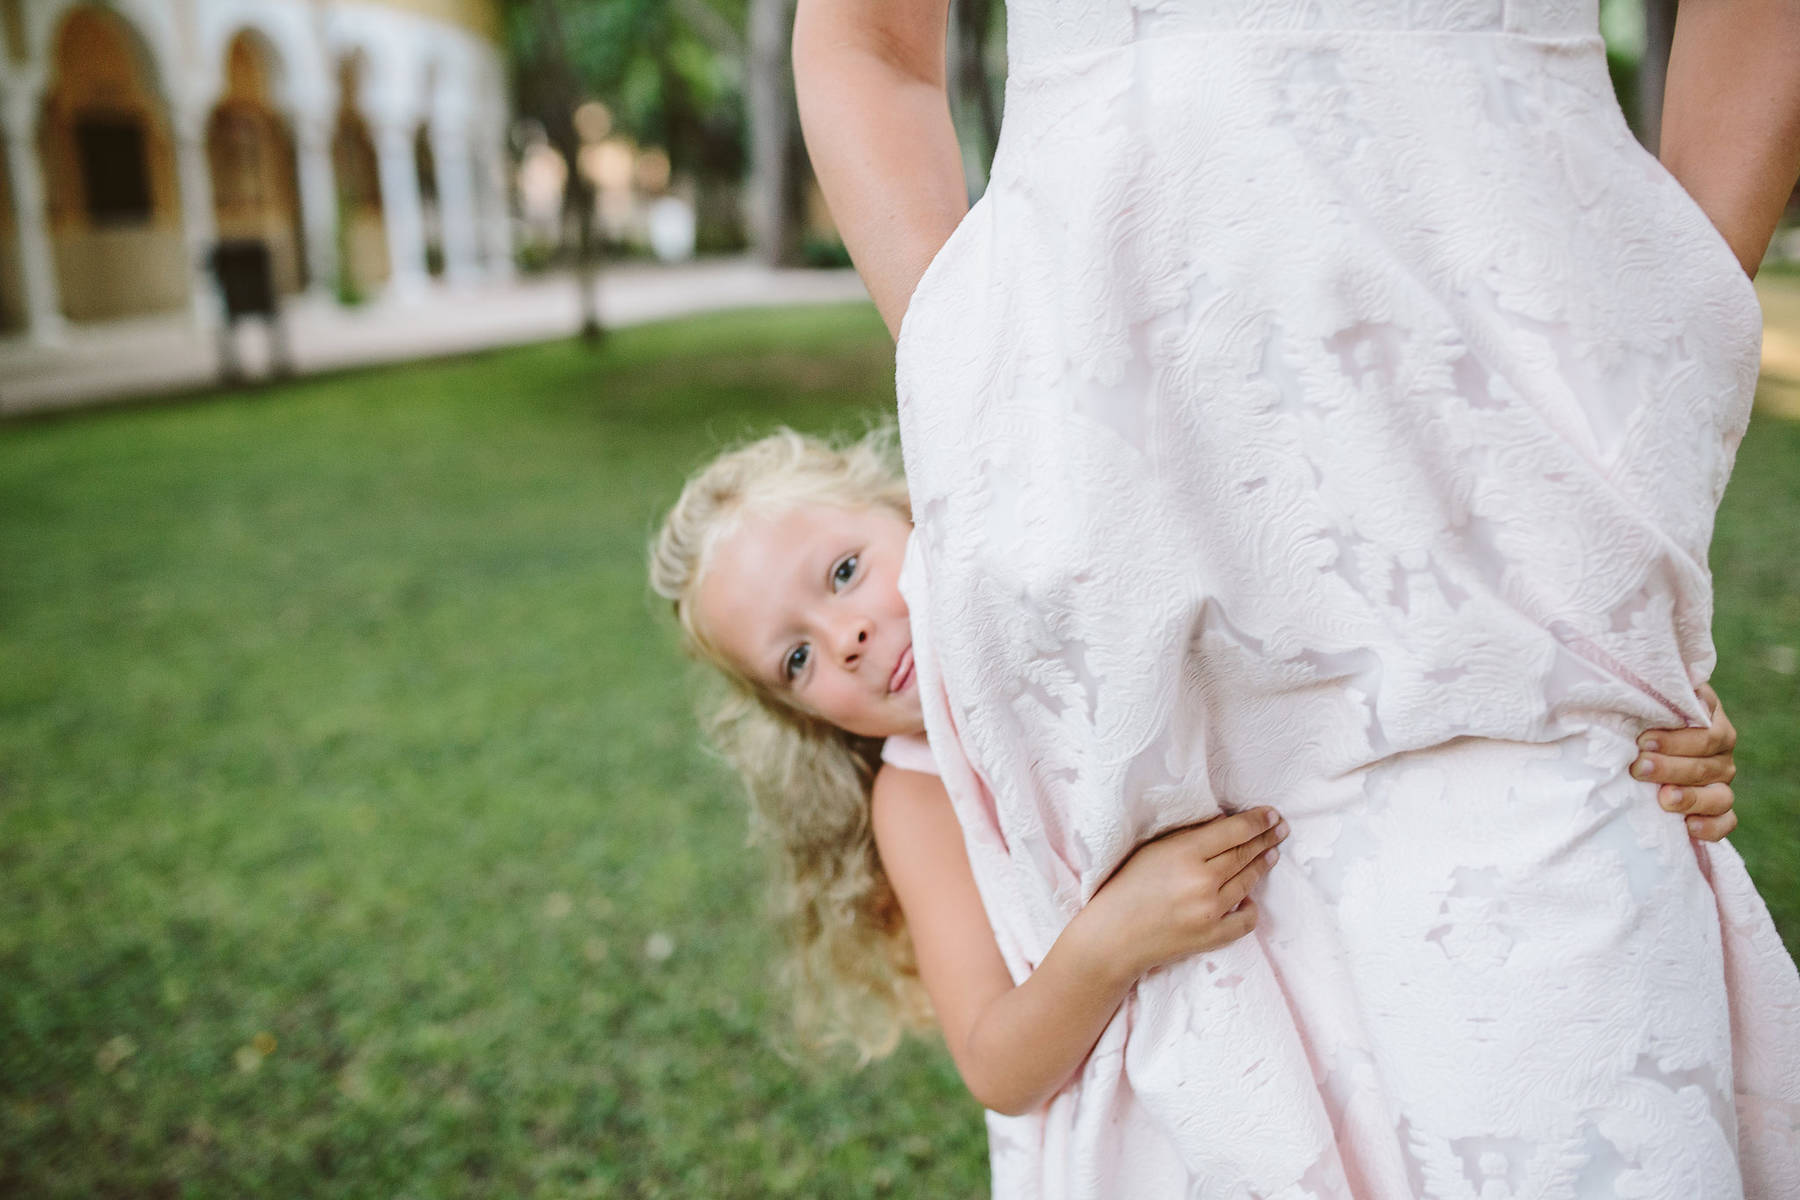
(109, 175)
(255, 187)
(362, 234)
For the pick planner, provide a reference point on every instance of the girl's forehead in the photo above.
(761, 543)
(790, 522)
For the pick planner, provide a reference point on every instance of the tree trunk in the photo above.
(558, 115)
(776, 180)
(971, 87)
(1653, 71)
(578, 200)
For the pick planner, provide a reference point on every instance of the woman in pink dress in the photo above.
(1325, 407)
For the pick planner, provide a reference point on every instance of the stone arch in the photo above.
(363, 257)
(151, 22)
(107, 146)
(250, 148)
(300, 85)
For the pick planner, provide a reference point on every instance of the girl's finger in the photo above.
(1233, 890)
(1711, 829)
(1685, 772)
(1236, 858)
(1710, 801)
(1238, 922)
(1223, 834)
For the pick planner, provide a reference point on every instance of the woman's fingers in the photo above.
(1718, 738)
(1685, 743)
(1711, 829)
(1708, 809)
(1685, 772)
(1710, 801)
(1714, 706)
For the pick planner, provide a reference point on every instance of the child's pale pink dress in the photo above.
(1326, 406)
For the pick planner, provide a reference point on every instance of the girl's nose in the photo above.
(852, 636)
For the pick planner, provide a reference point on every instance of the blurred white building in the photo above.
(361, 140)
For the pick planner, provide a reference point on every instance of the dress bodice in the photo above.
(1040, 30)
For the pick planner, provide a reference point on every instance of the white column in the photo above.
(199, 227)
(401, 208)
(318, 201)
(496, 204)
(456, 200)
(37, 264)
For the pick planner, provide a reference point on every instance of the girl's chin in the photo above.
(914, 727)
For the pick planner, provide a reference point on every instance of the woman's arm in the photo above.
(1731, 115)
(1016, 1045)
(869, 78)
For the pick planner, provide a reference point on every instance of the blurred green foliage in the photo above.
(670, 72)
(354, 837)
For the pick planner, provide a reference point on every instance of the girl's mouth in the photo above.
(903, 671)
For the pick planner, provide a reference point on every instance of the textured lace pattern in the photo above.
(1326, 406)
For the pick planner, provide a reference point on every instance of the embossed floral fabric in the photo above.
(1326, 406)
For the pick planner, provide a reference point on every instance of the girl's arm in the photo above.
(869, 78)
(1695, 768)
(1731, 115)
(1015, 1045)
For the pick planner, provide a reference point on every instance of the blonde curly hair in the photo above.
(852, 969)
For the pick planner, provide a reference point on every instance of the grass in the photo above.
(349, 799)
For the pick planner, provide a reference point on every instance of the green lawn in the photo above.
(347, 772)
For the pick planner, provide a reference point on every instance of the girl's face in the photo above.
(807, 603)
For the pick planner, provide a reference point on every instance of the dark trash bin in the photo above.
(244, 271)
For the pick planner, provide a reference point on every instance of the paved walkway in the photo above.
(161, 355)
(1779, 390)
(165, 354)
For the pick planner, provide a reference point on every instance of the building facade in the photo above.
(362, 141)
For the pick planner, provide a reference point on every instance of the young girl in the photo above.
(781, 559)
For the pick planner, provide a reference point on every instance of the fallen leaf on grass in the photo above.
(116, 1051)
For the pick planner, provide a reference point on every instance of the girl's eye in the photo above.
(844, 572)
(796, 660)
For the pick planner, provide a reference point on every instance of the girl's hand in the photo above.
(1186, 892)
(1695, 769)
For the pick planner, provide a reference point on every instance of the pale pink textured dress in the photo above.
(1326, 406)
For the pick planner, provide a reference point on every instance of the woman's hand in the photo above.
(1184, 893)
(1695, 769)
